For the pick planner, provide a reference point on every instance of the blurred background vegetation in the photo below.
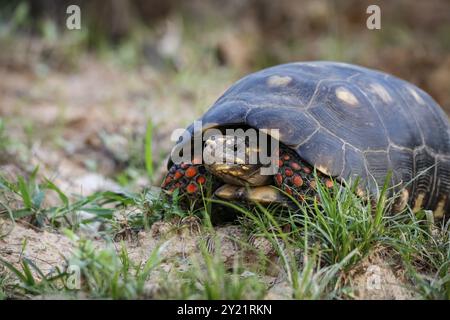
(414, 42)
(77, 101)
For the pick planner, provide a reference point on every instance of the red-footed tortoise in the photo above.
(346, 121)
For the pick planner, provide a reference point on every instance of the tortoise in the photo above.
(344, 121)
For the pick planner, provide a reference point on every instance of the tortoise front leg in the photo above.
(191, 180)
(296, 177)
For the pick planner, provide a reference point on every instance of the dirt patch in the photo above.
(46, 249)
(179, 242)
(378, 277)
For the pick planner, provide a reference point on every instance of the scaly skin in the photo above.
(190, 180)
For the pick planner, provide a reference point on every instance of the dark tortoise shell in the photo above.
(348, 121)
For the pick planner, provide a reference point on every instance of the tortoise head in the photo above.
(232, 159)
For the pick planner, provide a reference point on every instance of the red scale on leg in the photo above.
(280, 163)
(279, 179)
(295, 166)
(288, 172)
(201, 180)
(191, 188)
(178, 175)
(288, 190)
(294, 176)
(328, 183)
(297, 180)
(191, 172)
(167, 180)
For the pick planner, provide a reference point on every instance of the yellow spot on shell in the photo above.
(402, 201)
(439, 211)
(323, 169)
(360, 192)
(345, 95)
(419, 202)
(381, 92)
(278, 81)
(415, 95)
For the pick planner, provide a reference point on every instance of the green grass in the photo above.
(108, 273)
(340, 224)
(337, 232)
(31, 279)
(317, 243)
(25, 198)
(103, 273)
(424, 249)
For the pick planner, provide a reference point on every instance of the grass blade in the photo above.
(62, 196)
(24, 192)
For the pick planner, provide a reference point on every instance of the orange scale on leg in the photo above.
(191, 172)
(201, 180)
(280, 163)
(167, 180)
(191, 188)
(288, 172)
(328, 183)
(178, 174)
(307, 170)
(295, 166)
(278, 179)
(288, 191)
(297, 180)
